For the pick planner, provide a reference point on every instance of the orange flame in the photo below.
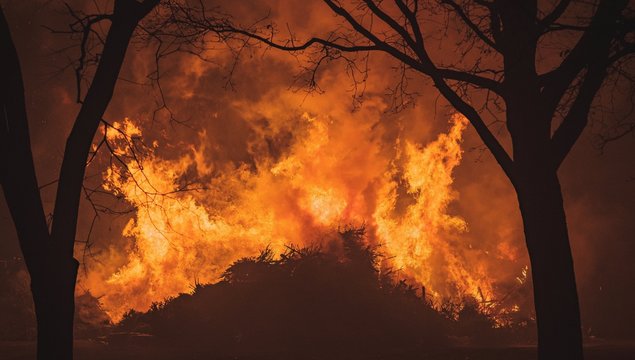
(180, 237)
(422, 241)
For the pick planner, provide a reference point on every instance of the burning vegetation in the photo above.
(315, 302)
(194, 216)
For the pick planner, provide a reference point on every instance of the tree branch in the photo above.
(476, 80)
(555, 14)
(426, 66)
(578, 116)
(392, 23)
(411, 16)
(592, 44)
(466, 19)
(126, 16)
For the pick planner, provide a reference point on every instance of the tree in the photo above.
(49, 253)
(544, 112)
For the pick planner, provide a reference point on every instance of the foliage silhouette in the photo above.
(309, 302)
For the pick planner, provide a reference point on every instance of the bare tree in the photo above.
(49, 253)
(544, 113)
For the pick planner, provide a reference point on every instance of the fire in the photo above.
(423, 241)
(317, 181)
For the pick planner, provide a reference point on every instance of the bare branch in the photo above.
(577, 118)
(555, 14)
(126, 16)
(466, 19)
(593, 43)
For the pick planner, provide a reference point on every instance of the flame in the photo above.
(423, 242)
(319, 180)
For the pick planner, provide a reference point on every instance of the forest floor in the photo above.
(93, 350)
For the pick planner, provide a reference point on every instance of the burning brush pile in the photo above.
(194, 215)
(313, 301)
(258, 231)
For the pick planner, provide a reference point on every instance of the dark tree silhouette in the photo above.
(49, 254)
(544, 111)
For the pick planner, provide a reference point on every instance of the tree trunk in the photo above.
(555, 293)
(53, 292)
(49, 256)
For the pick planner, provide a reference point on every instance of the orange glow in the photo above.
(424, 242)
(323, 180)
